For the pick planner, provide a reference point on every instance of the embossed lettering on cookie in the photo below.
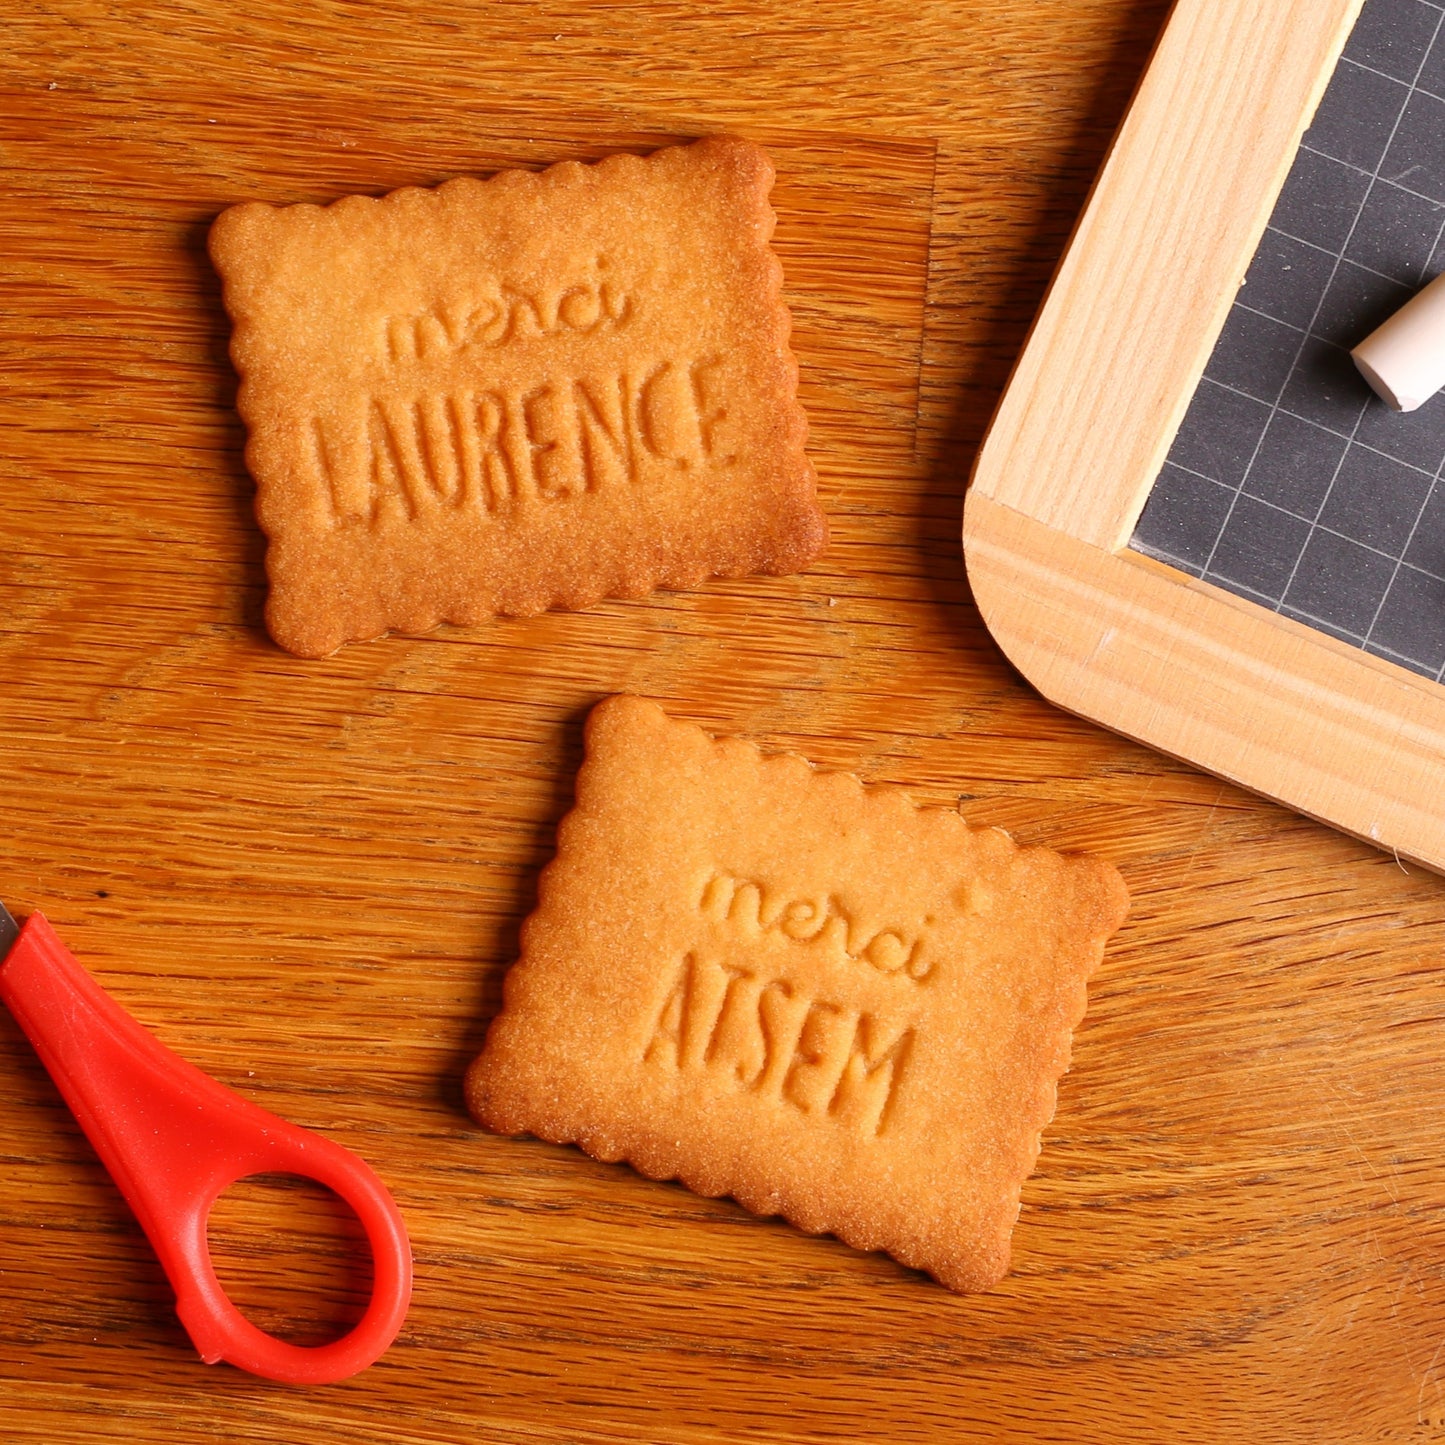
(534, 391)
(777, 984)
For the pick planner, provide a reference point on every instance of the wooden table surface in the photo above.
(308, 877)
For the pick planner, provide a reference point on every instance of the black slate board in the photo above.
(1290, 483)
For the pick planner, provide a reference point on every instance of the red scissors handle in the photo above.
(174, 1140)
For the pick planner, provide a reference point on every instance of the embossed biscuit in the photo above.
(506, 395)
(813, 996)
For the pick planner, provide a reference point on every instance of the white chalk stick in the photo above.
(1404, 360)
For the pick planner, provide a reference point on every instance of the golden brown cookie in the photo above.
(778, 984)
(527, 392)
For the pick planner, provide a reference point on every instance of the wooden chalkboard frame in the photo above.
(1091, 411)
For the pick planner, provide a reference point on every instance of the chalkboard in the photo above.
(1190, 520)
(1290, 482)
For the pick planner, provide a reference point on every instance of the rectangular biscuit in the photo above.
(527, 392)
(780, 985)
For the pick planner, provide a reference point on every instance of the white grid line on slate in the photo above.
(1340, 261)
(1415, 525)
(1320, 526)
(1393, 79)
(1276, 406)
(1350, 261)
(1308, 421)
(1393, 184)
(1299, 614)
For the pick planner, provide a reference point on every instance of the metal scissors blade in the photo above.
(9, 931)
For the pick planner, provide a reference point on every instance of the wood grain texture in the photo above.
(308, 877)
(1091, 411)
(1187, 666)
(1157, 260)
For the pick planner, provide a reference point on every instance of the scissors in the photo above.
(175, 1140)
